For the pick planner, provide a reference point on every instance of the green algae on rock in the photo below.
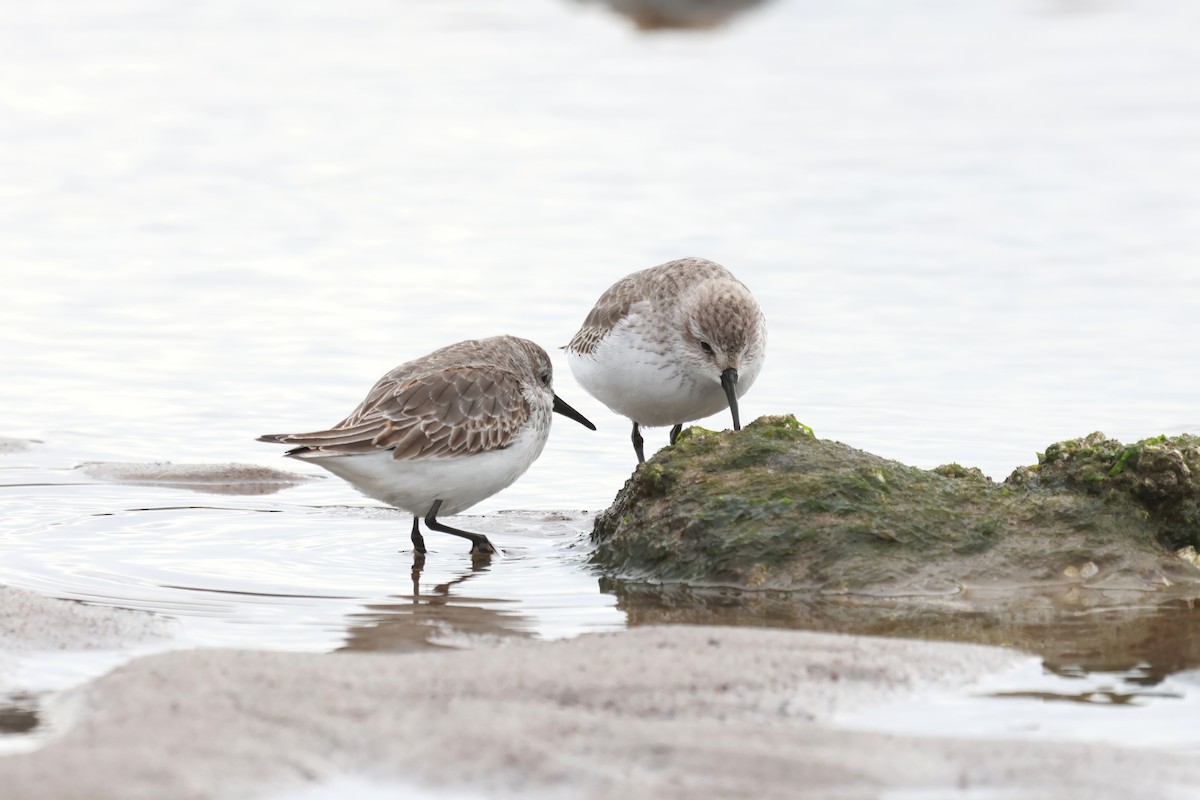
(774, 507)
(1161, 474)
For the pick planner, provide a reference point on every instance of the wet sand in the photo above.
(680, 711)
(31, 622)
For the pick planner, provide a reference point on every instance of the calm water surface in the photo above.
(973, 228)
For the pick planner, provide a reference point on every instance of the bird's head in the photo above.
(724, 339)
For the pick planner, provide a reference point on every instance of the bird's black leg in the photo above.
(675, 432)
(479, 542)
(417, 539)
(637, 444)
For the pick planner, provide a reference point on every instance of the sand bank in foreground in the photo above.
(652, 712)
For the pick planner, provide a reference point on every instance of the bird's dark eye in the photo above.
(706, 347)
(545, 379)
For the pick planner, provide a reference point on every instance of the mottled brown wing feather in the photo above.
(610, 309)
(654, 285)
(449, 412)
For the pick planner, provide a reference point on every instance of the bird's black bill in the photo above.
(729, 379)
(562, 408)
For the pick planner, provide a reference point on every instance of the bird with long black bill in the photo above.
(440, 433)
(669, 345)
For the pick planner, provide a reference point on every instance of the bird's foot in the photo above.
(417, 539)
(482, 547)
(675, 433)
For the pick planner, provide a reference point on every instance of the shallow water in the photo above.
(973, 229)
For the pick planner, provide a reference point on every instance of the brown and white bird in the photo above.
(440, 433)
(671, 344)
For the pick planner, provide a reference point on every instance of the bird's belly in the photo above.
(459, 482)
(645, 387)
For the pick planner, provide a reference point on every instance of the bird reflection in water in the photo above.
(437, 617)
(657, 15)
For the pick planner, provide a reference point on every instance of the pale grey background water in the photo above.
(973, 227)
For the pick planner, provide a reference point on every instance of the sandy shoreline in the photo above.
(680, 711)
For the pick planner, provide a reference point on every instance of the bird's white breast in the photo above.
(459, 482)
(647, 380)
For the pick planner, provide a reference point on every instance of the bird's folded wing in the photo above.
(450, 412)
(610, 309)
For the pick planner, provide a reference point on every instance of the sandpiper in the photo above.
(671, 344)
(440, 433)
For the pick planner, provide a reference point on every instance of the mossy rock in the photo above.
(1161, 474)
(774, 507)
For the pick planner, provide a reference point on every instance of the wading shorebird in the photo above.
(440, 433)
(671, 344)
